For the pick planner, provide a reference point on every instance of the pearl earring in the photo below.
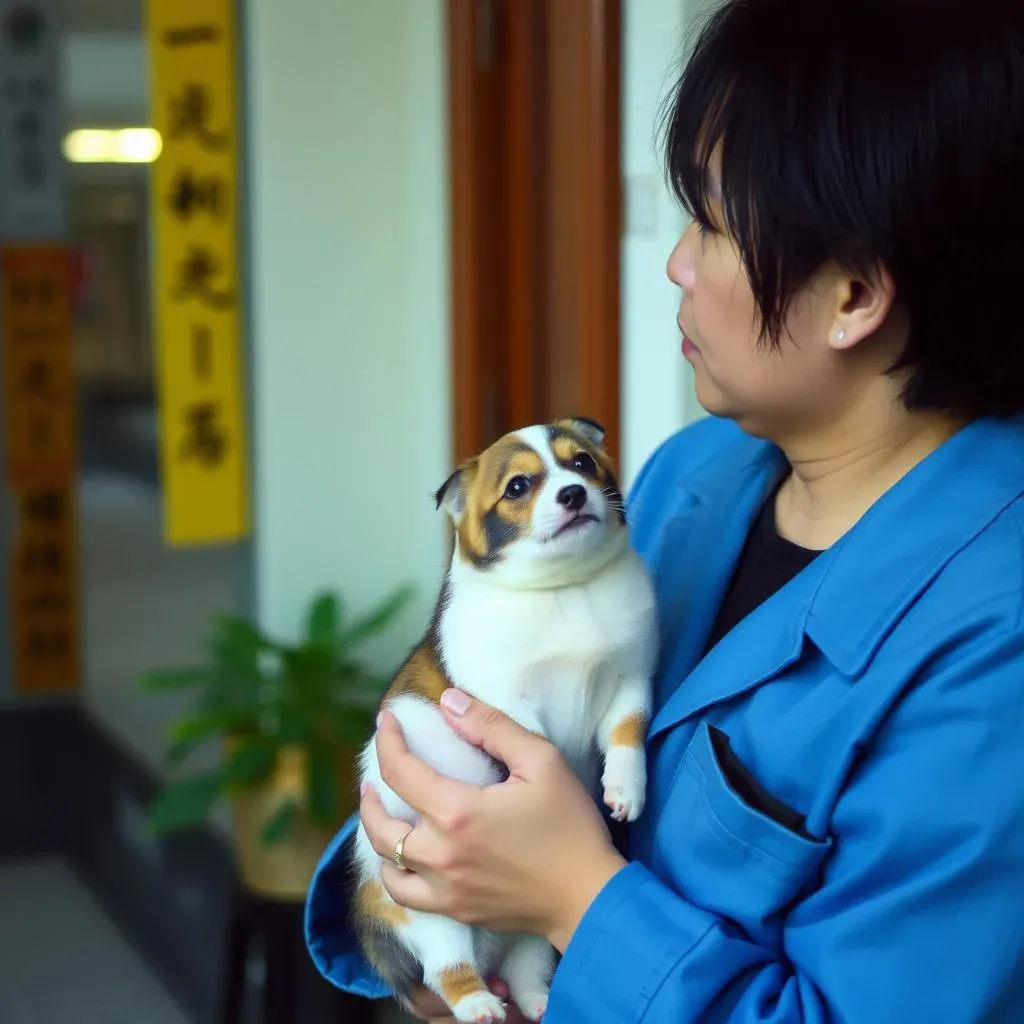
(840, 335)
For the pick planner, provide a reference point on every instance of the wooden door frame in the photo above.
(599, 294)
(495, 64)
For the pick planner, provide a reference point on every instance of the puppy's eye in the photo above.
(517, 487)
(584, 462)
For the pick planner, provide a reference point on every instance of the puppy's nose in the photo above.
(573, 497)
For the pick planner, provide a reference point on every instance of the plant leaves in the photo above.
(248, 764)
(239, 634)
(352, 726)
(322, 785)
(314, 693)
(305, 669)
(197, 728)
(324, 616)
(295, 726)
(178, 751)
(280, 823)
(185, 803)
(175, 678)
(375, 621)
(236, 646)
(356, 700)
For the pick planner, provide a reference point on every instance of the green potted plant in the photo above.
(290, 718)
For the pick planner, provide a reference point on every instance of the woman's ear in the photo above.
(863, 304)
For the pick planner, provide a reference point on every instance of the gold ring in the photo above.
(398, 856)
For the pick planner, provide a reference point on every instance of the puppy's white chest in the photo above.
(515, 631)
(563, 651)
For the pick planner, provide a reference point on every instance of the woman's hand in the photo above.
(529, 854)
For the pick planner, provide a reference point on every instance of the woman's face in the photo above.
(768, 391)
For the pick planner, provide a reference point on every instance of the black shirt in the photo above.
(766, 564)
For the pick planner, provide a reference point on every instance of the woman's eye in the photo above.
(517, 487)
(584, 462)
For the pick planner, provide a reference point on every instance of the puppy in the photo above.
(546, 613)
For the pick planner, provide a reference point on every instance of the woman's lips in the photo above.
(689, 349)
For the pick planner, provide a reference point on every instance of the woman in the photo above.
(835, 826)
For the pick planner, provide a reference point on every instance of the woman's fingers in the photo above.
(492, 731)
(425, 790)
(383, 831)
(410, 890)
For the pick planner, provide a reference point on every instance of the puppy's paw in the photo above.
(532, 1004)
(625, 782)
(480, 1008)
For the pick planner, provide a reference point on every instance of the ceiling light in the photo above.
(112, 145)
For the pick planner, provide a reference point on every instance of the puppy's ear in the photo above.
(452, 494)
(590, 429)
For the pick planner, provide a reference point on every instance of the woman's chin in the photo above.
(715, 402)
(709, 396)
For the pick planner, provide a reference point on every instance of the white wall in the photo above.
(105, 76)
(351, 283)
(657, 393)
(108, 73)
(349, 227)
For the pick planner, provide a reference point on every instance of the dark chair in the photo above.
(293, 992)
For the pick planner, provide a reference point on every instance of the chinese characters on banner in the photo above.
(41, 602)
(39, 399)
(197, 296)
(31, 172)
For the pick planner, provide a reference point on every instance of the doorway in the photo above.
(536, 198)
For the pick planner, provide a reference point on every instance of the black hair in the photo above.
(882, 133)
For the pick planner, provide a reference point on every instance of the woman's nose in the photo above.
(682, 267)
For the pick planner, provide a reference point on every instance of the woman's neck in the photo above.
(838, 475)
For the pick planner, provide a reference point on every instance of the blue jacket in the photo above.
(835, 826)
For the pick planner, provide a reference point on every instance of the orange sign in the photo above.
(45, 589)
(40, 406)
(38, 374)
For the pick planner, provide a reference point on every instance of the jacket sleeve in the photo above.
(916, 914)
(329, 936)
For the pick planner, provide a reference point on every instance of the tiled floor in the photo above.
(61, 959)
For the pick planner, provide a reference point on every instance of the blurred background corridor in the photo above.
(268, 271)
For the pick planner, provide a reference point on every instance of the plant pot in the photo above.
(284, 869)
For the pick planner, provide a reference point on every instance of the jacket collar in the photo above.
(699, 548)
(848, 599)
(921, 523)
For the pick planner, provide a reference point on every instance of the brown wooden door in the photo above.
(536, 198)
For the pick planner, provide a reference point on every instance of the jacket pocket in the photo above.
(725, 843)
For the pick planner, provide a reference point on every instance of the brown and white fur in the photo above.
(546, 613)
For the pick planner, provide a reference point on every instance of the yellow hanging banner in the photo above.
(197, 296)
